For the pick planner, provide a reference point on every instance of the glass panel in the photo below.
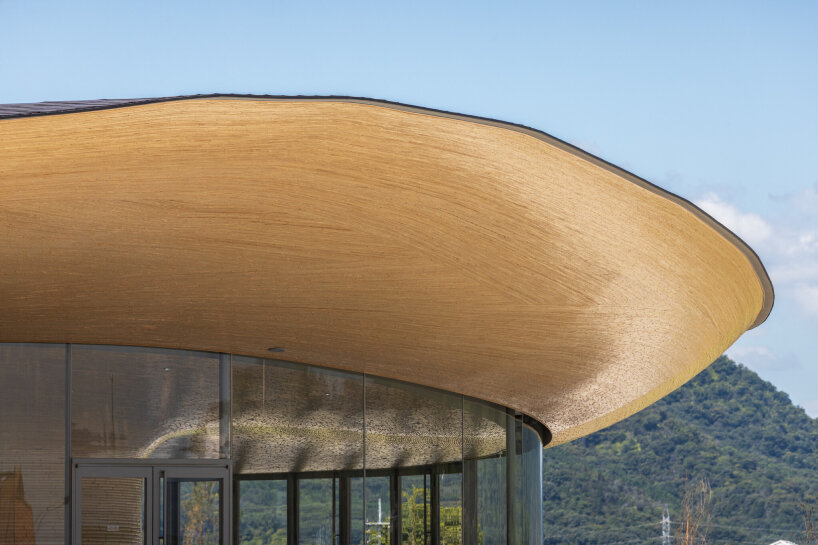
(315, 512)
(416, 511)
(32, 443)
(409, 425)
(491, 500)
(357, 523)
(451, 509)
(292, 418)
(113, 511)
(485, 473)
(532, 486)
(336, 515)
(412, 426)
(144, 403)
(263, 512)
(378, 517)
(525, 489)
(192, 511)
(515, 496)
(161, 510)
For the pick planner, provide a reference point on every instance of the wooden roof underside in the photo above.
(465, 254)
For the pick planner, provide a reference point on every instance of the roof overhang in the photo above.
(462, 253)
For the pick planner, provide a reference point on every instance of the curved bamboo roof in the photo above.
(467, 254)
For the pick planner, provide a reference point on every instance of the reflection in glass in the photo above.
(357, 523)
(531, 465)
(144, 403)
(409, 425)
(514, 482)
(451, 508)
(491, 500)
(484, 472)
(32, 443)
(315, 512)
(378, 515)
(113, 511)
(525, 484)
(440, 468)
(192, 511)
(416, 497)
(263, 512)
(293, 418)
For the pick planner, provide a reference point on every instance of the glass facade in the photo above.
(291, 418)
(318, 456)
(144, 403)
(32, 444)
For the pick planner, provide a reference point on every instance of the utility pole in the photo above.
(666, 527)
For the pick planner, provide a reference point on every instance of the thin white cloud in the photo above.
(803, 243)
(761, 358)
(811, 406)
(751, 227)
(755, 357)
(797, 272)
(807, 297)
(762, 351)
(807, 200)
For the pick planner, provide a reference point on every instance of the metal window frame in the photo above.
(341, 479)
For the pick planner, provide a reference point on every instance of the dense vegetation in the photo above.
(263, 517)
(757, 450)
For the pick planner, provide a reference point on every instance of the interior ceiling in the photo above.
(468, 255)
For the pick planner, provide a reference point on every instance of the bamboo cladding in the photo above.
(467, 255)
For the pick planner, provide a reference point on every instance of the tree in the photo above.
(808, 510)
(201, 514)
(413, 520)
(695, 519)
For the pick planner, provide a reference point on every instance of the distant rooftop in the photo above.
(28, 109)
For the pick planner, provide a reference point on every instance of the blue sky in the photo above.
(717, 102)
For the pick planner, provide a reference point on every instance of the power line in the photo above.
(597, 529)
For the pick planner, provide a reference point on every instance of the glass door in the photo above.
(194, 505)
(131, 502)
(112, 505)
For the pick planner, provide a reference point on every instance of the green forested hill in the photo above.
(756, 449)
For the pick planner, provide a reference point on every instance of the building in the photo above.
(327, 320)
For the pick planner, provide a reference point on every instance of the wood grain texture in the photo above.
(460, 255)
